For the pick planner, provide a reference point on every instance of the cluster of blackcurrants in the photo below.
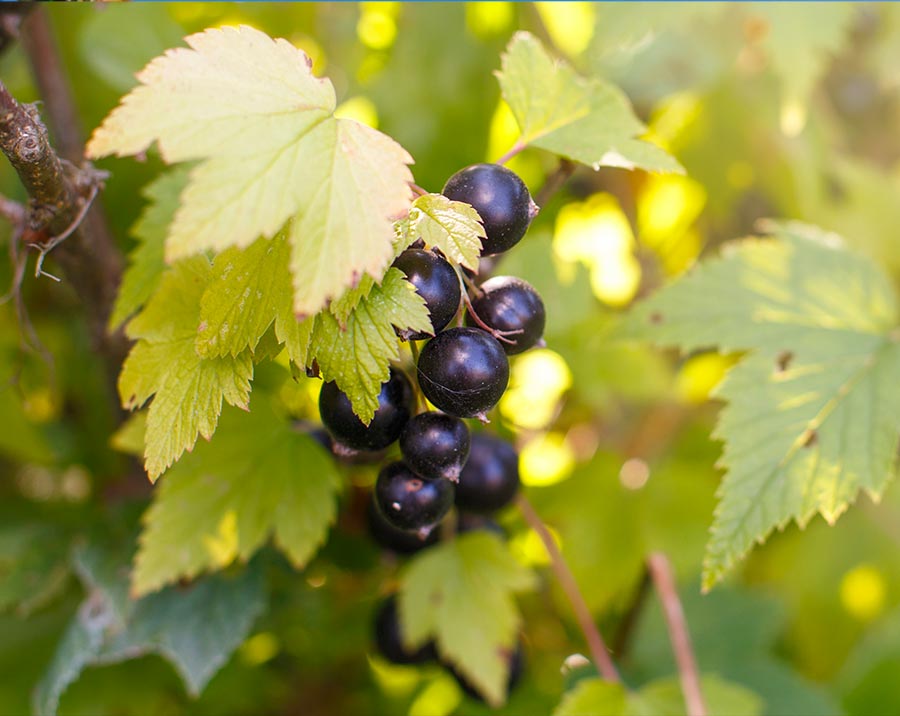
(463, 371)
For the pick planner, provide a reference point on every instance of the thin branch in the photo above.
(513, 150)
(621, 640)
(661, 573)
(566, 579)
(90, 259)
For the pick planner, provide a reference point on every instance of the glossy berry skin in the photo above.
(516, 663)
(463, 371)
(395, 406)
(389, 640)
(501, 199)
(398, 541)
(510, 304)
(490, 479)
(410, 502)
(436, 282)
(435, 445)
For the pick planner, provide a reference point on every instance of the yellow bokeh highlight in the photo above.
(667, 208)
(569, 24)
(538, 380)
(259, 648)
(597, 233)
(394, 680)
(377, 25)
(546, 460)
(41, 405)
(439, 698)
(863, 592)
(698, 376)
(529, 549)
(222, 545)
(672, 117)
(359, 108)
(488, 19)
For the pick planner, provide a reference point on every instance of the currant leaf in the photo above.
(460, 594)
(269, 480)
(357, 354)
(811, 417)
(188, 390)
(588, 121)
(272, 153)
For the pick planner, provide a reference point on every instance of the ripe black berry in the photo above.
(463, 371)
(410, 502)
(435, 445)
(490, 478)
(436, 282)
(516, 663)
(389, 637)
(501, 199)
(511, 306)
(395, 403)
(396, 540)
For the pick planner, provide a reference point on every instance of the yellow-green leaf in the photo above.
(272, 153)
(452, 226)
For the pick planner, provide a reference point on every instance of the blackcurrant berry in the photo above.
(516, 663)
(395, 404)
(436, 282)
(511, 306)
(435, 445)
(501, 199)
(490, 478)
(463, 371)
(410, 502)
(389, 637)
(396, 540)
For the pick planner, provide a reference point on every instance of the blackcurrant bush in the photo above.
(435, 445)
(389, 637)
(395, 405)
(394, 539)
(511, 306)
(463, 371)
(501, 199)
(516, 662)
(436, 282)
(490, 478)
(410, 502)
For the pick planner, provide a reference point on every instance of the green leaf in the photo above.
(195, 628)
(33, 567)
(812, 417)
(801, 41)
(594, 696)
(453, 226)
(145, 262)
(272, 154)
(116, 44)
(588, 121)
(188, 389)
(259, 477)
(357, 355)
(460, 593)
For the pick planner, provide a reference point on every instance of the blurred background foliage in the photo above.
(785, 110)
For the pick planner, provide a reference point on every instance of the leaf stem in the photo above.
(513, 150)
(417, 189)
(661, 572)
(566, 579)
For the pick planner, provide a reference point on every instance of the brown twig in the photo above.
(661, 573)
(566, 579)
(555, 181)
(90, 259)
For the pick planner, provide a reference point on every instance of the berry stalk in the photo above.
(596, 645)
